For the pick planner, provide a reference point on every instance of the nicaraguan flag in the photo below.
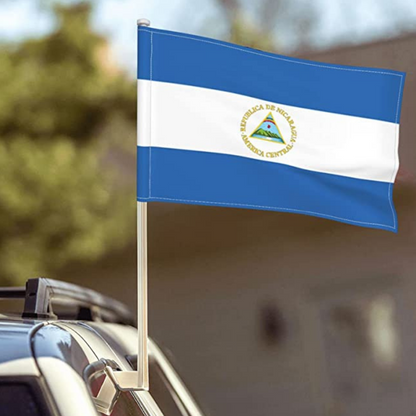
(220, 124)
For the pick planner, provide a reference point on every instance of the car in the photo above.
(72, 351)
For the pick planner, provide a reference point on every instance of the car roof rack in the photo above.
(92, 306)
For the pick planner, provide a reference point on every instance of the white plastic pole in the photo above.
(142, 307)
(142, 291)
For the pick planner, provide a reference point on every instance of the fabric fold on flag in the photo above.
(224, 125)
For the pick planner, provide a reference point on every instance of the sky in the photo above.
(340, 21)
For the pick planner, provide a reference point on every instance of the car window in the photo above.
(163, 393)
(18, 398)
(125, 406)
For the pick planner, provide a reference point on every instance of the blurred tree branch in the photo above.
(257, 29)
(270, 24)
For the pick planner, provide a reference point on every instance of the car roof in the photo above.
(71, 304)
(14, 338)
(39, 294)
(17, 337)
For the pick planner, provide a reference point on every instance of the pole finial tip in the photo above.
(143, 22)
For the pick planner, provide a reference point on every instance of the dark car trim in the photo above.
(39, 393)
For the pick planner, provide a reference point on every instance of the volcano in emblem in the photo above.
(268, 130)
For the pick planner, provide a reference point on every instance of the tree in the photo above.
(296, 25)
(257, 29)
(59, 200)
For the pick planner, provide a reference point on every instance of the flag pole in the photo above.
(142, 290)
(142, 307)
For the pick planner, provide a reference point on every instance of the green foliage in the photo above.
(53, 206)
(59, 198)
(243, 32)
(57, 86)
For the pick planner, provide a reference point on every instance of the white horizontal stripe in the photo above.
(143, 112)
(201, 119)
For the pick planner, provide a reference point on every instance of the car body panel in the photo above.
(19, 367)
(15, 335)
(125, 339)
(52, 341)
(97, 344)
(54, 355)
(15, 352)
(102, 349)
(64, 382)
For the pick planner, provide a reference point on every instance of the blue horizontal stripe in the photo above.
(202, 62)
(203, 178)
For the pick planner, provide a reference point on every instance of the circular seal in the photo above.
(268, 130)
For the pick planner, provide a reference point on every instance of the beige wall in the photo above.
(212, 300)
(212, 269)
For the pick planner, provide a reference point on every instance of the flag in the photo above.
(225, 125)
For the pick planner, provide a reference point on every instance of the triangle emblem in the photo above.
(268, 130)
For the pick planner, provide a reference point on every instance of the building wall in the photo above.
(213, 271)
(213, 303)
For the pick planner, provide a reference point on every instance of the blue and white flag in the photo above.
(220, 124)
